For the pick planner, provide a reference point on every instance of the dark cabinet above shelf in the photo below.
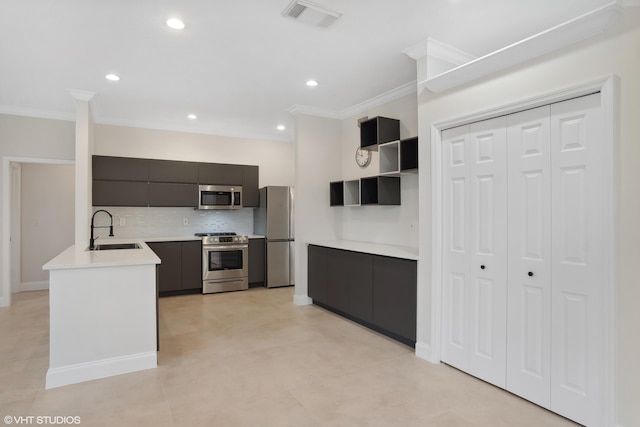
(378, 130)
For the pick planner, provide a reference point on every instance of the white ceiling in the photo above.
(238, 65)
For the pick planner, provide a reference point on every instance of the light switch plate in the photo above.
(123, 222)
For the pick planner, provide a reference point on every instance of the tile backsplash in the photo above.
(173, 222)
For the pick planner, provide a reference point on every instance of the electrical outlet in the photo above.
(185, 221)
(123, 222)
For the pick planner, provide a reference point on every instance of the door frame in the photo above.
(609, 90)
(5, 297)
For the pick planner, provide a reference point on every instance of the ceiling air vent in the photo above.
(311, 13)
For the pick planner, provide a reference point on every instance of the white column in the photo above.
(84, 151)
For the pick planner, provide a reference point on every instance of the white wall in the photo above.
(275, 158)
(395, 225)
(26, 137)
(615, 52)
(47, 217)
(318, 161)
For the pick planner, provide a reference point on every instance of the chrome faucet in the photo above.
(92, 240)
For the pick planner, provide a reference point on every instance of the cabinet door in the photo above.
(337, 283)
(218, 173)
(317, 273)
(350, 283)
(173, 171)
(394, 295)
(191, 264)
(120, 193)
(256, 260)
(170, 269)
(120, 168)
(250, 192)
(177, 195)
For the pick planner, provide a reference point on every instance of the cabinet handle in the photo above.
(482, 267)
(530, 274)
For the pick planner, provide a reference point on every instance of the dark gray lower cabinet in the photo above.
(377, 291)
(257, 257)
(180, 269)
(349, 283)
(394, 295)
(317, 273)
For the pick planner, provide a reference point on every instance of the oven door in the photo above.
(224, 262)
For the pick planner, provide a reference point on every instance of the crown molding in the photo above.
(376, 101)
(40, 114)
(310, 110)
(81, 95)
(194, 129)
(440, 50)
(580, 28)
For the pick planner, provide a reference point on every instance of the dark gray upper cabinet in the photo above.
(378, 130)
(250, 191)
(257, 258)
(173, 171)
(174, 195)
(120, 193)
(409, 154)
(120, 168)
(219, 173)
(380, 190)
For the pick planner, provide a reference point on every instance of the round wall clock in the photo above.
(363, 157)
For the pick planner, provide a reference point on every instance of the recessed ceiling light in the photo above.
(175, 23)
(112, 77)
(192, 116)
(312, 83)
(281, 127)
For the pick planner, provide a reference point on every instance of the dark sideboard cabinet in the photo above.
(376, 291)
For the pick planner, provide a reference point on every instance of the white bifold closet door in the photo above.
(523, 266)
(476, 245)
(529, 271)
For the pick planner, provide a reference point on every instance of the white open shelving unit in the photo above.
(352, 193)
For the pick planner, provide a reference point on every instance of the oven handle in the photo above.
(218, 247)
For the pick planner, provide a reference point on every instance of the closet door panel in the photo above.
(455, 290)
(488, 250)
(577, 218)
(529, 273)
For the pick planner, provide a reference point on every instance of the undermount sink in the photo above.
(112, 246)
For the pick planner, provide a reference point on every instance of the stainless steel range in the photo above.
(224, 262)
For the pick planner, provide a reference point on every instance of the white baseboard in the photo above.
(302, 300)
(58, 377)
(423, 351)
(33, 286)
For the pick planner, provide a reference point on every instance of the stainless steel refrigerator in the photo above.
(274, 220)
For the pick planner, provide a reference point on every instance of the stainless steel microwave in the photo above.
(220, 197)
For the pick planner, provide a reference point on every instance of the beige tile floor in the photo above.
(253, 358)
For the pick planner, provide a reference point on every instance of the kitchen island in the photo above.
(103, 308)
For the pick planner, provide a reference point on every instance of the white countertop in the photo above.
(79, 257)
(404, 252)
